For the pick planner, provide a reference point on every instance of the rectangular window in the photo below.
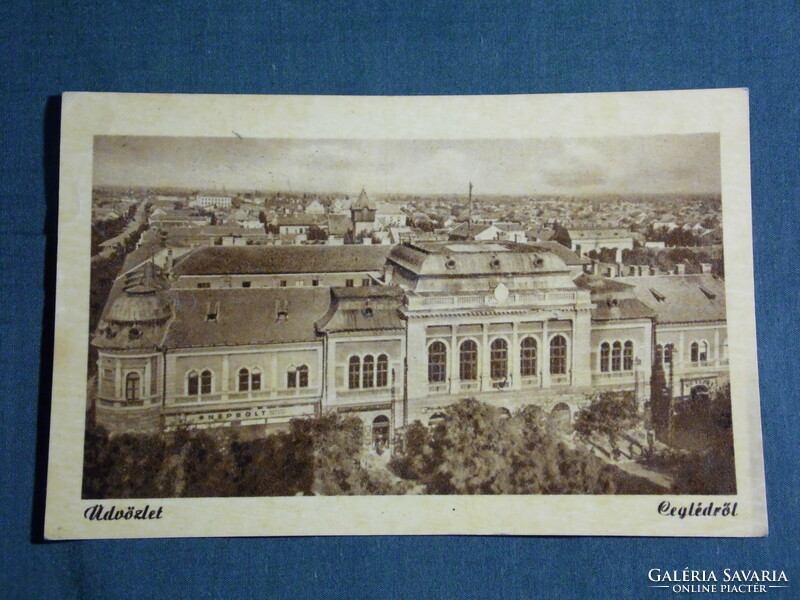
(283, 283)
(315, 282)
(348, 283)
(366, 282)
(245, 284)
(203, 286)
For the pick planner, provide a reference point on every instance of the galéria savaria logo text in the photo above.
(723, 581)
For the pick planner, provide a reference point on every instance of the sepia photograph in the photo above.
(481, 317)
(395, 315)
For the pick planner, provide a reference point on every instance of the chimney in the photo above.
(281, 310)
(705, 268)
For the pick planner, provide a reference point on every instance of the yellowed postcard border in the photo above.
(86, 115)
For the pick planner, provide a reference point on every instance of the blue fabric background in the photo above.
(246, 46)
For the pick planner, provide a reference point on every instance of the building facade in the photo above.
(231, 337)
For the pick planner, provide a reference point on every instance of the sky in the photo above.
(680, 164)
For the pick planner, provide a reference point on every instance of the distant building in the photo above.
(389, 215)
(300, 224)
(362, 214)
(584, 241)
(315, 207)
(478, 232)
(211, 202)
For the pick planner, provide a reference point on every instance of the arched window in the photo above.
(659, 354)
(193, 384)
(627, 356)
(616, 356)
(297, 377)
(382, 374)
(703, 352)
(528, 357)
(605, 357)
(468, 361)
(695, 352)
(244, 380)
(354, 373)
(368, 372)
(255, 380)
(302, 376)
(132, 387)
(205, 382)
(499, 359)
(669, 349)
(437, 419)
(437, 362)
(558, 355)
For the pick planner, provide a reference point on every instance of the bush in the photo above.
(609, 414)
(479, 449)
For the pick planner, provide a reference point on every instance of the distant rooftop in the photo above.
(265, 260)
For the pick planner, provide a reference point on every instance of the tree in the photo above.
(208, 472)
(479, 449)
(609, 415)
(281, 464)
(316, 233)
(660, 401)
(712, 469)
(337, 443)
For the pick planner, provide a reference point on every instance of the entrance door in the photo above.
(380, 433)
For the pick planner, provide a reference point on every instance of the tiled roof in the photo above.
(363, 201)
(623, 308)
(454, 258)
(681, 298)
(339, 224)
(372, 308)
(244, 317)
(568, 256)
(266, 260)
(302, 219)
(584, 234)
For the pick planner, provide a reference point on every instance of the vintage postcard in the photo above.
(303, 315)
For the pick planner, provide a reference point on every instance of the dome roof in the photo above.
(139, 304)
(474, 258)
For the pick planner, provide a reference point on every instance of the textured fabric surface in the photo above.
(388, 47)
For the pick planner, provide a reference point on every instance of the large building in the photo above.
(260, 335)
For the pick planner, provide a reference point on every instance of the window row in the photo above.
(498, 359)
(616, 357)
(200, 383)
(698, 352)
(368, 372)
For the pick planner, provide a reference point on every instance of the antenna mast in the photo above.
(469, 224)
